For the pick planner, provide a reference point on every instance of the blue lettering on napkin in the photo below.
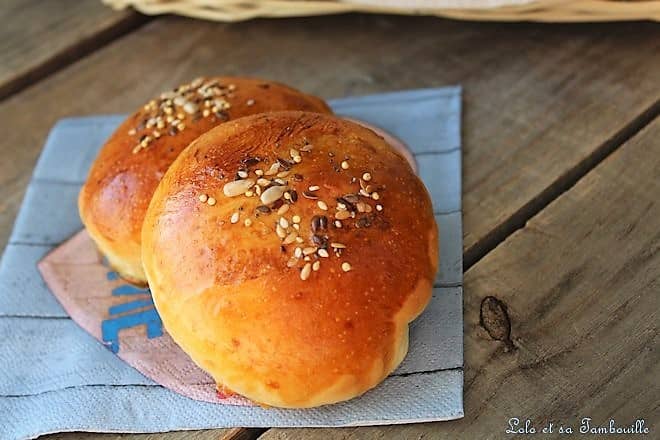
(110, 327)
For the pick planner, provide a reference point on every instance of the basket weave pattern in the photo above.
(501, 10)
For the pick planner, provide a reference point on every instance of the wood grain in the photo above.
(561, 320)
(38, 37)
(538, 100)
(215, 434)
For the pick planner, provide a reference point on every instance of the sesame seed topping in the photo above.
(283, 209)
(284, 222)
(280, 231)
(344, 165)
(338, 224)
(295, 218)
(234, 217)
(306, 271)
(250, 102)
(210, 201)
(338, 245)
(259, 172)
(342, 215)
(272, 194)
(322, 205)
(366, 177)
(346, 266)
(237, 187)
(298, 252)
(247, 222)
(375, 195)
(290, 238)
(379, 207)
(242, 174)
(309, 250)
(316, 266)
(314, 188)
(274, 169)
(203, 198)
(323, 253)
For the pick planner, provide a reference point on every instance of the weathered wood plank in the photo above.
(38, 37)
(538, 100)
(215, 434)
(569, 306)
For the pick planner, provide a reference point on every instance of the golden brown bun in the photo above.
(113, 201)
(233, 295)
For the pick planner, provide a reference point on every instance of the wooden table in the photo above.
(561, 177)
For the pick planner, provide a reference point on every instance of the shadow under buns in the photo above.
(295, 287)
(121, 181)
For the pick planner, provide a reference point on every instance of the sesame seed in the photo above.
(298, 252)
(237, 187)
(274, 168)
(306, 271)
(263, 182)
(309, 250)
(375, 195)
(346, 266)
(249, 193)
(295, 218)
(366, 177)
(299, 239)
(290, 238)
(293, 152)
(287, 196)
(259, 172)
(210, 201)
(344, 165)
(322, 205)
(292, 262)
(314, 188)
(247, 222)
(338, 245)
(316, 266)
(283, 209)
(338, 224)
(342, 215)
(250, 102)
(272, 194)
(234, 217)
(284, 222)
(242, 174)
(297, 159)
(280, 231)
(203, 198)
(296, 226)
(283, 174)
(379, 207)
(323, 253)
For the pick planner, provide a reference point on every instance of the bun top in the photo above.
(128, 168)
(287, 252)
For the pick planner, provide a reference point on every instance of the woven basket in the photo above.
(501, 10)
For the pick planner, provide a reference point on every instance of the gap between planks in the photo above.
(563, 183)
(73, 53)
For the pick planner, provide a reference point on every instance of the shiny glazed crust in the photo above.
(225, 275)
(115, 197)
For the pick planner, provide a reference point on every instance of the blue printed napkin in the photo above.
(55, 377)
